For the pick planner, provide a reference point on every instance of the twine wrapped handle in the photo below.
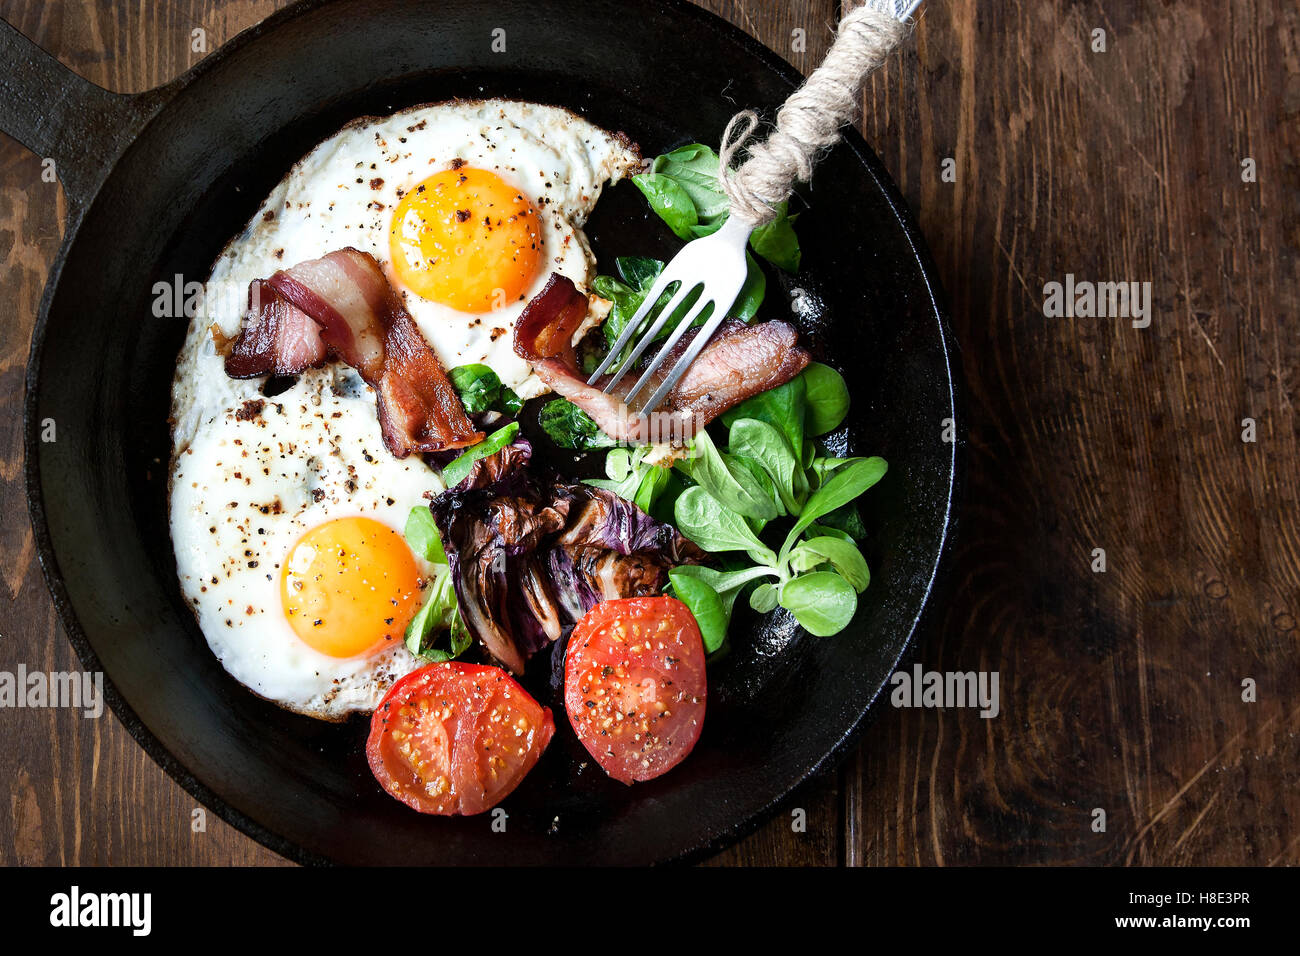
(809, 121)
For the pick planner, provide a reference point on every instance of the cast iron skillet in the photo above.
(157, 182)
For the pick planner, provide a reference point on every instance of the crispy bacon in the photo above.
(546, 326)
(282, 341)
(354, 315)
(740, 361)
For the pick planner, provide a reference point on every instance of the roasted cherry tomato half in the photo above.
(456, 738)
(634, 685)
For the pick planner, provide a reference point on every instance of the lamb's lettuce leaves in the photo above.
(480, 390)
(682, 188)
(458, 469)
(570, 427)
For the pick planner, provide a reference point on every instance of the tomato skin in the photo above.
(634, 685)
(456, 739)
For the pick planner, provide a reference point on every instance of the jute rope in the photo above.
(809, 121)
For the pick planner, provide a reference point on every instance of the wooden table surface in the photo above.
(1120, 690)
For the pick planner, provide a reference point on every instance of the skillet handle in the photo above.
(59, 115)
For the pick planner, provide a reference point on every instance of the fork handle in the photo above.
(810, 119)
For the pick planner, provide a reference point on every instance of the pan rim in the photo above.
(54, 578)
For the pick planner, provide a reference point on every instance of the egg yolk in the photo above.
(467, 239)
(350, 586)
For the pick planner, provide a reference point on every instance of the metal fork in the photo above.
(715, 265)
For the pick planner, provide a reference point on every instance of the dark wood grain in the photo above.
(1120, 690)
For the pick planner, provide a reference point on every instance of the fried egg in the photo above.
(286, 509)
(467, 206)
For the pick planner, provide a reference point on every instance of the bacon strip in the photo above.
(282, 341)
(354, 315)
(740, 361)
(545, 328)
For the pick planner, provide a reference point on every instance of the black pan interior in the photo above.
(780, 705)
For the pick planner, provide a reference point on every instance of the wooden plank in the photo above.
(1121, 690)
